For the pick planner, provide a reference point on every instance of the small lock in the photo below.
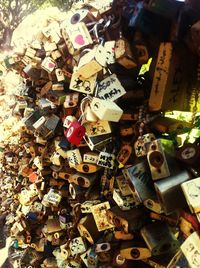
(48, 64)
(88, 229)
(102, 247)
(106, 160)
(123, 54)
(83, 180)
(157, 161)
(71, 100)
(75, 133)
(134, 250)
(127, 221)
(88, 65)
(124, 153)
(100, 216)
(87, 168)
(169, 191)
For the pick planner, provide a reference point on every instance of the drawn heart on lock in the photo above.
(80, 40)
(51, 65)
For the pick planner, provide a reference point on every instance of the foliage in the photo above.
(12, 12)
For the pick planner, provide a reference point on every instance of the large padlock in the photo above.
(159, 238)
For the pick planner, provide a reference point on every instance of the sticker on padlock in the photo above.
(124, 54)
(59, 74)
(100, 217)
(68, 120)
(88, 66)
(106, 110)
(159, 238)
(100, 127)
(106, 160)
(157, 161)
(90, 157)
(102, 247)
(124, 153)
(75, 133)
(110, 88)
(81, 84)
(71, 100)
(87, 168)
(79, 35)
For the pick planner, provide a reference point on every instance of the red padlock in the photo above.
(75, 133)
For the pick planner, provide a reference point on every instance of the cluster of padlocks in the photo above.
(101, 176)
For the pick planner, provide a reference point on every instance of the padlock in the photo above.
(191, 190)
(106, 110)
(123, 54)
(159, 238)
(97, 128)
(98, 142)
(74, 157)
(189, 154)
(134, 250)
(77, 246)
(88, 229)
(127, 221)
(83, 180)
(81, 84)
(124, 153)
(75, 133)
(79, 35)
(153, 204)
(48, 64)
(88, 65)
(140, 181)
(90, 157)
(157, 161)
(100, 216)
(169, 191)
(125, 202)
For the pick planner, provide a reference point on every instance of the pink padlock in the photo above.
(75, 133)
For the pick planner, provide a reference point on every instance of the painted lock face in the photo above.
(75, 133)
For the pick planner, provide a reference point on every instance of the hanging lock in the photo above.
(157, 161)
(75, 133)
(159, 238)
(87, 168)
